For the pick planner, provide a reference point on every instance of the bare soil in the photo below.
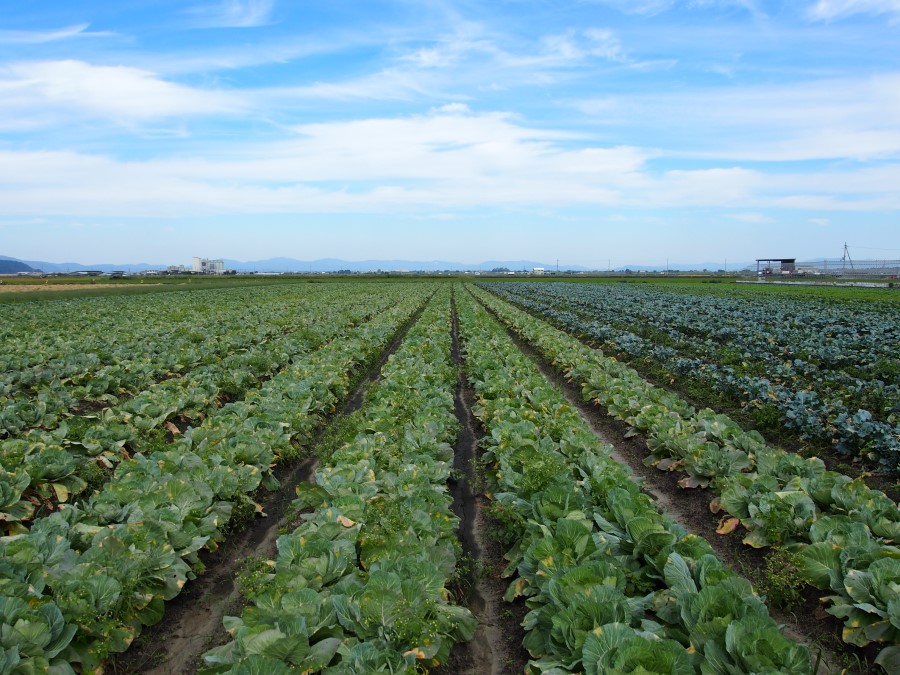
(805, 622)
(496, 648)
(25, 288)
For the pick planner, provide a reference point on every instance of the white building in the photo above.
(207, 266)
(537, 270)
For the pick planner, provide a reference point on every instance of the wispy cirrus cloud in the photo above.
(854, 118)
(826, 10)
(654, 7)
(234, 13)
(28, 37)
(456, 65)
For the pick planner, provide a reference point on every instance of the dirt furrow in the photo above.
(496, 647)
(193, 621)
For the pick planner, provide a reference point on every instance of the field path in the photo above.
(495, 648)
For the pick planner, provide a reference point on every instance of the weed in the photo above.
(243, 511)
(781, 581)
(254, 576)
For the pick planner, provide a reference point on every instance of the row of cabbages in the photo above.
(361, 585)
(55, 356)
(841, 388)
(843, 532)
(612, 585)
(45, 467)
(81, 584)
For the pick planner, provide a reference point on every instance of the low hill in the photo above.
(10, 266)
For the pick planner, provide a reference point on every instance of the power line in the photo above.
(872, 248)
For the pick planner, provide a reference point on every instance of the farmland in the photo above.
(142, 435)
(828, 372)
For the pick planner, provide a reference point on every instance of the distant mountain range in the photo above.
(13, 265)
(335, 264)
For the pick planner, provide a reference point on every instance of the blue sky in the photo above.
(590, 131)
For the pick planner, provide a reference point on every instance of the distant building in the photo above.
(207, 266)
(537, 270)
(769, 266)
(176, 269)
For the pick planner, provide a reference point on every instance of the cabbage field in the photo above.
(142, 436)
(830, 371)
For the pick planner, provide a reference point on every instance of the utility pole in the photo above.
(846, 257)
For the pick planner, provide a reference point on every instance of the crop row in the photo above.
(842, 531)
(46, 468)
(360, 585)
(80, 585)
(94, 364)
(44, 341)
(612, 585)
(815, 367)
(102, 348)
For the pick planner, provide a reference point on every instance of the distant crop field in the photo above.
(436, 476)
(826, 371)
(31, 288)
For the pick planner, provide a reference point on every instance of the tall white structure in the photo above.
(207, 266)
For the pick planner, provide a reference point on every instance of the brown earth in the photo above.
(25, 288)
(496, 648)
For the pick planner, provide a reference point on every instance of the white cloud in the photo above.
(466, 61)
(575, 47)
(649, 7)
(447, 160)
(653, 7)
(820, 221)
(440, 161)
(119, 93)
(453, 109)
(841, 118)
(26, 37)
(733, 186)
(835, 9)
(235, 13)
(605, 44)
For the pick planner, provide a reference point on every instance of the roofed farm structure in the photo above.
(776, 265)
